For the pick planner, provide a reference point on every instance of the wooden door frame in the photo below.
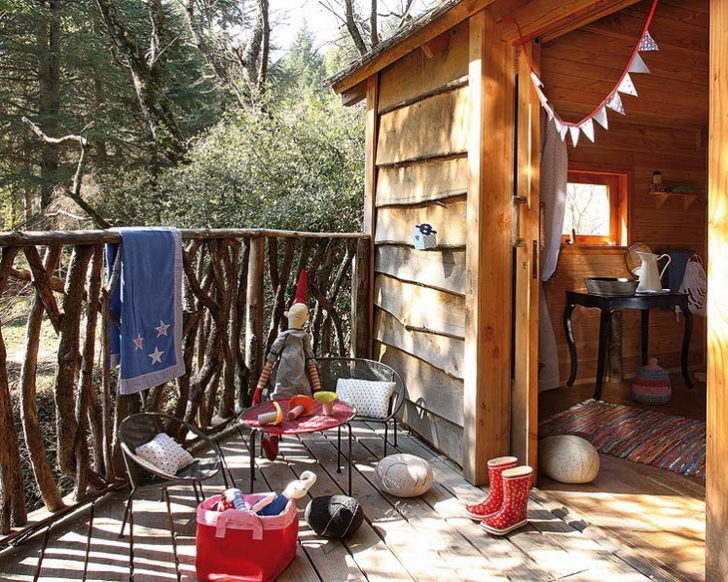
(527, 272)
(716, 485)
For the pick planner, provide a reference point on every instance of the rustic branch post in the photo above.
(361, 341)
(254, 315)
(42, 472)
(12, 495)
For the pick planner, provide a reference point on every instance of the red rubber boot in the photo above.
(516, 487)
(494, 501)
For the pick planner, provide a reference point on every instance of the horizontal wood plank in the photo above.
(442, 352)
(417, 74)
(420, 306)
(395, 223)
(439, 269)
(428, 387)
(435, 126)
(423, 181)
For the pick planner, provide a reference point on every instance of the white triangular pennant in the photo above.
(601, 117)
(549, 110)
(574, 131)
(648, 43)
(627, 86)
(638, 65)
(615, 103)
(562, 129)
(588, 128)
(535, 80)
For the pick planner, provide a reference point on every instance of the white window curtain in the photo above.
(554, 174)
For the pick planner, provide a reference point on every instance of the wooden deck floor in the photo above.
(659, 514)
(425, 538)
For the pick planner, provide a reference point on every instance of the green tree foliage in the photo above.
(254, 146)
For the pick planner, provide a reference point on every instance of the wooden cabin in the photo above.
(454, 140)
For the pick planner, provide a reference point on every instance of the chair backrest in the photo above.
(331, 369)
(140, 428)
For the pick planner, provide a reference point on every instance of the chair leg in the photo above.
(338, 450)
(131, 539)
(126, 513)
(173, 534)
(386, 428)
(395, 432)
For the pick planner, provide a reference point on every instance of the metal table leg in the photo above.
(253, 432)
(338, 449)
(349, 425)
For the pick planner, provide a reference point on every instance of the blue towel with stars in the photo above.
(146, 343)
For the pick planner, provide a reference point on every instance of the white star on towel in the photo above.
(162, 329)
(156, 356)
(138, 342)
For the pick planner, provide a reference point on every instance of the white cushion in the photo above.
(368, 397)
(404, 475)
(165, 454)
(568, 459)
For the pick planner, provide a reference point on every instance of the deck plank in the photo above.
(424, 539)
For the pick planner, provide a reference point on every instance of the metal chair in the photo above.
(137, 429)
(331, 369)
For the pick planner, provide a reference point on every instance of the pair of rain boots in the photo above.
(504, 510)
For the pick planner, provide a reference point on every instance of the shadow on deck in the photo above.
(423, 538)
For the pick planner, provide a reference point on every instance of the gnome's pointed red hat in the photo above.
(301, 288)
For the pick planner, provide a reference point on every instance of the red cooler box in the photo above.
(240, 545)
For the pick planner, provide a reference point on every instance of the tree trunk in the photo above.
(49, 81)
(12, 495)
(147, 73)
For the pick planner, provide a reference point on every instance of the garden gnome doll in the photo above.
(290, 365)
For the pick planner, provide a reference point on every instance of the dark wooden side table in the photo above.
(608, 304)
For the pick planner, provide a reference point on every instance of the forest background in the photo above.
(181, 113)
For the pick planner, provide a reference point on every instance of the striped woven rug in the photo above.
(669, 442)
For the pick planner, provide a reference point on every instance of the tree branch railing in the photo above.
(54, 350)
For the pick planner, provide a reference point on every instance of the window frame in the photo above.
(618, 191)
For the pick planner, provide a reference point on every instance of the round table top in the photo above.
(342, 413)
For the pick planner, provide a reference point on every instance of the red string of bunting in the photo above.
(612, 101)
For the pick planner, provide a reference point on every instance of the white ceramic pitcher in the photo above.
(648, 274)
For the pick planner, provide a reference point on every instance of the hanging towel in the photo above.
(147, 299)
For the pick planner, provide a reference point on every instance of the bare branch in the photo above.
(74, 193)
(56, 140)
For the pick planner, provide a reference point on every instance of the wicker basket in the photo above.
(611, 285)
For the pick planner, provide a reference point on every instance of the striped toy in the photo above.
(651, 384)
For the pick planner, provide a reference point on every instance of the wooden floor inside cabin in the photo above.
(657, 513)
(425, 538)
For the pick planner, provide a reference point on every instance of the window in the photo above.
(596, 208)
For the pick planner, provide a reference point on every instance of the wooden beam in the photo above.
(524, 410)
(355, 94)
(436, 45)
(716, 485)
(370, 196)
(398, 49)
(489, 256)
(548, 19)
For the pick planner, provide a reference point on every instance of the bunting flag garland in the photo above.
(613, 100)
(648, 43)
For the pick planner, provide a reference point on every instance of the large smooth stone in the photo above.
(568, 459)
(403, 475)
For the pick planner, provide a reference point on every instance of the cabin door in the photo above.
(526, 273)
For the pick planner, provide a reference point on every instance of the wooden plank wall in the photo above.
(422, 176)
(664, 129)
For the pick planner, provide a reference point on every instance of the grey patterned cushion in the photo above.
(368, 397)
(165, 454)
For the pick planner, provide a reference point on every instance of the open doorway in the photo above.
(658, 511)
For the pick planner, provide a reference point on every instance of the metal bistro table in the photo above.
(342, 414)
(608, 304)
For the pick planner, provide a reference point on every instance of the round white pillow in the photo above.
(404, 475)
(568, 459)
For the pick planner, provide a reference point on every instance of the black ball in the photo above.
(334, 516)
